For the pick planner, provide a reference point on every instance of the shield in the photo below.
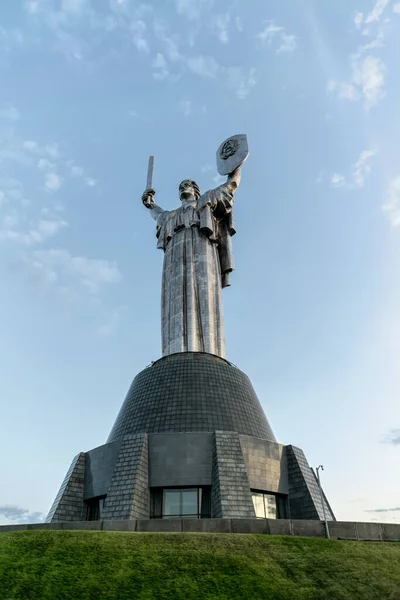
(232, 153)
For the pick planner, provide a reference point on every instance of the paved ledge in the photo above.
(340, 530)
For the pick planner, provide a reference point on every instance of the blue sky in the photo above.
(89, 89)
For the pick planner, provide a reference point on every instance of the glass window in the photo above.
(269, 506)
(172, 500)
(189, 501)
(258, 501)
(169, 503)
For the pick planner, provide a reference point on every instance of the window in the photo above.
(269, 506)
(173, 503)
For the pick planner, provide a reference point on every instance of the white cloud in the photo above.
(241, 81)
(61, 266)
(359, 20)
(35, 6)
(191, 8)
(205, 66)
(76, 171)
(337, 180)
(269, 32)
(138, 35)
(52, 182)
(377, 11)
(74, 6)
(285, 42)
(45, 228)
(186, 107)
(369, 76)
(392, 204)
(221, 26)
(360, 170)
(48, 228)
(239, 24)
(396, 8)
(160, 68)
(9, 113)
(46, 164)
(367, 81)
(345, 90)
(16, 514)
(237, 79)
(30, 145)
(52, 150)
(289, 43)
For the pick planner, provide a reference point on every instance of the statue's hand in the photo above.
(148, 198)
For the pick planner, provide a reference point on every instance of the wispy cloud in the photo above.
(52, 182)
(362, 168)
(17, 514)
(396, 8)
(238, 79)
(192, 9)
(391, 206)
(76, 27)
(288, 43)
(60, 267)
(160, 67)
(367, 81)
(139, 36)
(205, 66)
(9, 113)
(359, 172)
(186, 107)
(383, 510)
(377, 11)
(276, 35)
(220, 24)
(367, 70)
(30, 218)
(393, 437)
(338, 180)
(239, 24)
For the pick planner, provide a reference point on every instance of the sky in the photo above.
(91, 88)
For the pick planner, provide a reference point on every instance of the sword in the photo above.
(150, 173)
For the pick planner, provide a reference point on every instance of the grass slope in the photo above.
(86, 565)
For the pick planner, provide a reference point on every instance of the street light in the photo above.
(328, 535)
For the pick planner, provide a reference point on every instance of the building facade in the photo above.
(191, 441)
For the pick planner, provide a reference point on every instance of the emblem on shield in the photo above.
(232, 153)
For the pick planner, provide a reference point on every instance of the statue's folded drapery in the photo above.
(197, 262)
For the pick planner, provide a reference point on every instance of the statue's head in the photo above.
(188, 188)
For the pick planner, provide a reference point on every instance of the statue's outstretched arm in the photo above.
(233, 180)
(148, 201)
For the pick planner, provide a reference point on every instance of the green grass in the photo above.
(86, 565)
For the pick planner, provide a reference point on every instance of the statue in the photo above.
(197, 242)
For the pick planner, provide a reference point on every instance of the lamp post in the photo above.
(328, 535)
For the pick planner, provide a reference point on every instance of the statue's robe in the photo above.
(198, 259)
